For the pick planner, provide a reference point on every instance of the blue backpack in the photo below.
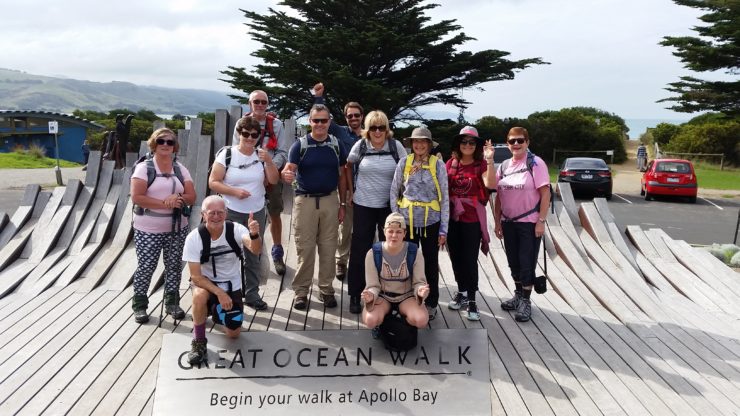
(411, 250)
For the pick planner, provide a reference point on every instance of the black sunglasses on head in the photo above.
(168, 142)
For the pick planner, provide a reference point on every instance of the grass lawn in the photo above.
(710, 177)
(16, 160)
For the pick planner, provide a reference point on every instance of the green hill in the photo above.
(22, 91)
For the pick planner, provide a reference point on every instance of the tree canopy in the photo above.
(716, 49)
(385, 54)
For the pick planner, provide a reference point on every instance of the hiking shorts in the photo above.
(275, 199)
(231, 318)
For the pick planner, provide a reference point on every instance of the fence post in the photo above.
(722, 162)
(737, 225)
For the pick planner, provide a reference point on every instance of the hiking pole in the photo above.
(737, 225)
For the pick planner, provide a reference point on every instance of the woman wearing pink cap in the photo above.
(470, 174)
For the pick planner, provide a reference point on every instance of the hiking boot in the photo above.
(139, 303)
(341, 271)
(354, 304)
(172, 306)
(300, 303)
(432, 311)
(277, 260)
(328, 300)
(140, 316)
(258, 305)
(459, 301)
(513, 303)
(473, 314)
(523, 310)
(198, 351)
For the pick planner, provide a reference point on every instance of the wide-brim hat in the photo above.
(420, 133)
(468, 131)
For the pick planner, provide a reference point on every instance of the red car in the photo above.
(672, 177)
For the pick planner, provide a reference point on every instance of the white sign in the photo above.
(326, 373)
(53, 127)
(187, 124)
(610, 152)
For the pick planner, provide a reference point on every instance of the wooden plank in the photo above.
(616, 236)
(724, 283)
(21, 215)
(190, 158)
(12, 249)
(143, 390)
(221, 130)
(640, 240)
(566, 197)
(235, 113)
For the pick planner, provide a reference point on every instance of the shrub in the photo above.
(664, 133)
(37, 151)
(19, 148)
(711, 137)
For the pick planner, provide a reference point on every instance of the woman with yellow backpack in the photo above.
(420, 193)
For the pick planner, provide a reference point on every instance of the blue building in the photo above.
(25, 128)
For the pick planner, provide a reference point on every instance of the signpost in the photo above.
(54, 129)
(326, 372)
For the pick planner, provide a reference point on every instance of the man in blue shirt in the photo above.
(316, 164)
(348, 135)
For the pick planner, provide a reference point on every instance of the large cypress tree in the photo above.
(716, 49)
(385, 54)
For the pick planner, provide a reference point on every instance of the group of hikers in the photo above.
(352, 184)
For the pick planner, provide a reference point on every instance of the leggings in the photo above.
(522, 247)
(463, 243)
(428, 240)
(148, 247)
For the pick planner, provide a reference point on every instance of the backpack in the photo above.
(363, 152)
(332, 141)
(272, 140)
(482, 190)
(151, 175)
(411, 250)
(432, 169)
(227, 162)
(530, 164)
(397, 334)
(205, 254)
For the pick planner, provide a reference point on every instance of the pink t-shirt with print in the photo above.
(518, 192)
(160, 189)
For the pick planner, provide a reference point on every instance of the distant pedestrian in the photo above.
(641, 157)
(85, 153)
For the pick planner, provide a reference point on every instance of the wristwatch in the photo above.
(254, 236)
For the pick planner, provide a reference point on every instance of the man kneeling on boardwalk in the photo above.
(393, 280)
(215, 261)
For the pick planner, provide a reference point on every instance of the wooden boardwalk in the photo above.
(647, 326)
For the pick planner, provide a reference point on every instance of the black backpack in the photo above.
(151, 171)
(205, 254)
(397, 334)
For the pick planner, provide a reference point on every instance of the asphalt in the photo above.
(13, 183)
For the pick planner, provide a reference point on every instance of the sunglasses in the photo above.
(253, 135)
(168, 142)
(320, 120)
(350, 116)
(259, 102)
(377, 128)
(469, 142)
(517, 140)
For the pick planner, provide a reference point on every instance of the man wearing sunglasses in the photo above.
(347, 135)
(316, 162)
(275, 140)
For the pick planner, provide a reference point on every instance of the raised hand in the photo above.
(264, 155)
(318, 90)
(252, 224)
(488, 151)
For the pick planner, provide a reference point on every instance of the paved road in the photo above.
(14, 181)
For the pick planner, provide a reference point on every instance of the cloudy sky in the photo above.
(603, 53)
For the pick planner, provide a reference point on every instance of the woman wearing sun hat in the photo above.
(470, 174)
(420, 193)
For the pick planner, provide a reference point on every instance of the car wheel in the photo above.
(648, 197)
(642, 191)
(692, 199)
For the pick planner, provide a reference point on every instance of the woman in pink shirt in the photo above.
(159, 225)
(523, 196)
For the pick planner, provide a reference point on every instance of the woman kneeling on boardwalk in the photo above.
(395, 283)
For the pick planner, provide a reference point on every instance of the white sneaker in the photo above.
(459, 301)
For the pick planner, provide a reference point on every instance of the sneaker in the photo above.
(432, 311)
(341, 271)
(329, 301)
(198, 351)
(140, 316)
(354, 304)
(277, 260)
(523, 310)
(459, 301)
(300, 303)
(513, 303)
(259, 305)
(473, 314)
(375, 332)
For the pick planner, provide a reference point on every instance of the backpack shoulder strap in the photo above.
(228, 159)
(393, 148)
(205, 238)
(433, 171)
(304, 146)
(334, 143)
(378, 255)
(151, 172)
(407, 166)
(411, 251)
(178, 172)
(230, 238)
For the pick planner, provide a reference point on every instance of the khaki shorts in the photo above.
(275, 199)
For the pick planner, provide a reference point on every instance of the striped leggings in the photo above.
(148, 247)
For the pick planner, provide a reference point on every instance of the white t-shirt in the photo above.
(245, 172)
(227, 265)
